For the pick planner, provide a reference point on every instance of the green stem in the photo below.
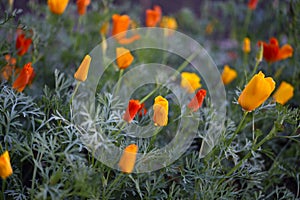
(75, 90)
(3, 189)
(149, 95)
(255, 68)
(153, 138)
(119, 82)
(112, 185)
(247, 21)
(245, 63)
(237, 130)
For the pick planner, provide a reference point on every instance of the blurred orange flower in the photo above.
(83, 69)
(124, 57)
(9, 68)
(197, 101)
(161, 110)
(57, 6)
(81, 6)
(25, 77)
(228, 75)
(252, 4)
(127, 160)
(284, 93)
(22, 43)
(5, 166)
(273, 53)
(132, 108)
(256, 92)
(153, 16)
(120, 26)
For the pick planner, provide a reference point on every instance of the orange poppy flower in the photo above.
(120, 26)
(83, 70)
(81, 6)
(57, 6)
(22, 43)
(252, 4)
(197, 101)
(132, 108)
(124, 57)
(273, 53)
(5, 166)
(25, 77)
(127, 160)
(256, 92)
(153, 16)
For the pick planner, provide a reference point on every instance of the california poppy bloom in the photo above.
(228, 75)
(81, 6)
(124, 57)
(197, 101)
(57, 6)
(83, 70)
(246, 45)
(273, 53)
(161, 110)
(120, 26)
(284, 93)
(25, 77)
(153, 16)
(252, 4)
(142, 111)
(256, 92)
(190, 81)
(132, 109)
(127, 160)
(5, 166)
(22, 43)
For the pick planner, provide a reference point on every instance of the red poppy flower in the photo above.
(197, 101)
(132, 109)
(81, 6)
(22, 43)
(25, 78)
(273, 53)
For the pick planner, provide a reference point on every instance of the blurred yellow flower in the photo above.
(104, 28)
(190, 81)
(124, 57)
(161, 110)
(256, 92)
(170, 23)
(284, 93)
(228, 75)
(57, 6)
(5, 166)
(127, 160)
(83, 69)
(246, 45)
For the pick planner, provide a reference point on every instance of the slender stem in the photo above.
(112, 185)
(153, 138)
(245, 63)
(3, 188)
(75, 90)
(149, 95)
(237, 130)
(119, 82)
(255, 68)
(247, 21)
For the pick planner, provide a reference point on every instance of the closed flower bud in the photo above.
(82, 5)
(161, 110)
(256, 92)
(197, 101)
(124, 57)
(82, 71)
(228, 75)
(246, 45)
(284, 93)
(25, 78)
(127, 160)
(190, 81)
(5, 166)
